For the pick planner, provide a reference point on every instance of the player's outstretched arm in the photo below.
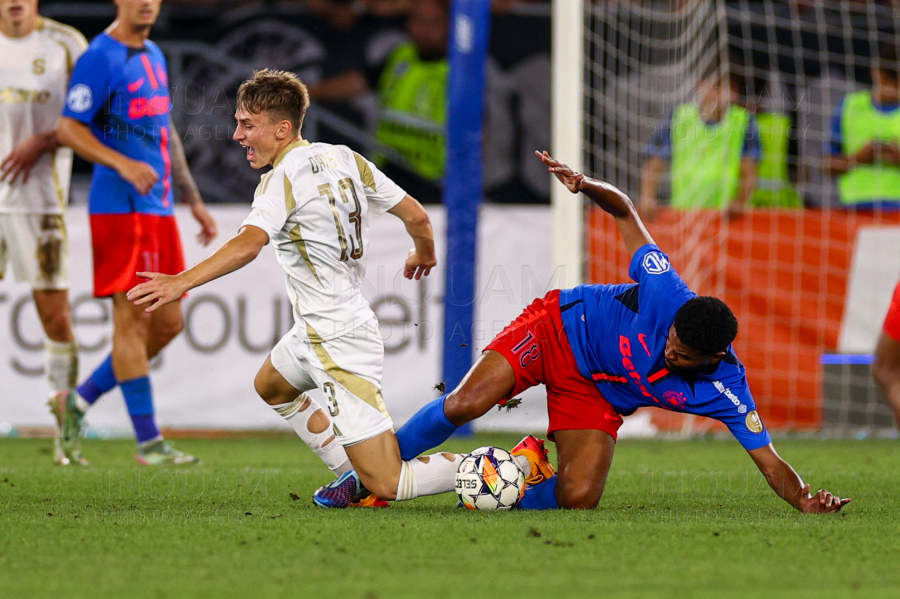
(235, 253)
(79, 137)
(187, 189)
(422, 258)
(785, 481)
(608, 197)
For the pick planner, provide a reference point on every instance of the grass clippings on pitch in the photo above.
(679, 519)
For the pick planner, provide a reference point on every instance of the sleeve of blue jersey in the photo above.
(835, 144)
(661, 143)
(732, 404)
(651, 268)
(89, 87)
(747, 438)
(751, 140)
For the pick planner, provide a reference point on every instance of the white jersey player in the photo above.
(38, 56)
(314, 206)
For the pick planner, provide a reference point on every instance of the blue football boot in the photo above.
(340, 492)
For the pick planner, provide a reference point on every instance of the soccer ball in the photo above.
(489, 479)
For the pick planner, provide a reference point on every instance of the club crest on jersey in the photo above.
(674, 399)
(753, 422)
(80, 98)
(656, 263)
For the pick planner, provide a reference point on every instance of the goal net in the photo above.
(789, 272)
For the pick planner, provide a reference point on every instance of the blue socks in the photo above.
(540, 497)
(139, 399)
(102, 380)
(427, 429)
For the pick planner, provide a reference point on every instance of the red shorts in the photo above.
(125, 244)
(536, 346)
(892, 320)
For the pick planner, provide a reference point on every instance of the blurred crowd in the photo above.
(377, 74)
(726, 150)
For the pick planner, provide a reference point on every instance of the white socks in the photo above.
(428, 475)
(322, 442)
(61, 364)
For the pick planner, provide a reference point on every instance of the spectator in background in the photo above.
(711, 147)
(411, 87)
(864, 152)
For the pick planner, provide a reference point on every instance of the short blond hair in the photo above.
(279, 93)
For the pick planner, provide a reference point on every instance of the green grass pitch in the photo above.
(679, 519)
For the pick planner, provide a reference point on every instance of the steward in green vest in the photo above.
(773, 182)
(711, 148)
(865, 138)
(706, 157)
(412, 94)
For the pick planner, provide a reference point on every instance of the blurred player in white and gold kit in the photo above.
(37, 59)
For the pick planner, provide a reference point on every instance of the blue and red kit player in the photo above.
(604, 351)
(117, 116)
(886, 368)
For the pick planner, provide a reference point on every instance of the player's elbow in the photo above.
(65, 131)
(418, 222)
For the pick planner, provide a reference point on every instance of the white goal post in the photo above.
(567, 132)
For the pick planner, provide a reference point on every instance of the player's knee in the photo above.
(264, 388)
(462, 406)
(168, 330)
(58, 325)
(580, 496)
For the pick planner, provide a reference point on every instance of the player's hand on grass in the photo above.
(823, 502)
(140, 174)
(572, 180)
(22, 159)
(208, 230)
(416, 267)
(159, 289)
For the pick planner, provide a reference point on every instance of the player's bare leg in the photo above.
(55, 313)
(135, 333)
(60, 357)
(311, 423)
(585, 457)
(379, 469)
(165, 324)
(489, 381)
(886, 370)
(131, 334)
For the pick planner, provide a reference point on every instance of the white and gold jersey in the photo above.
(34, 77)
(315, 205)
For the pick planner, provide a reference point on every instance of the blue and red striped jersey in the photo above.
(122, 93)
(618, 334)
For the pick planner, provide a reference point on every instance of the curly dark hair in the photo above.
(706, 324)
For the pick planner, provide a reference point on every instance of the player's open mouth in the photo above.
(250, 153)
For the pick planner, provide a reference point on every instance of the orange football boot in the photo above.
(541, 469)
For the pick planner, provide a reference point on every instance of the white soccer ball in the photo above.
(489, 479)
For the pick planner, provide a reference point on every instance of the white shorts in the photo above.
(37, 247)
(347, 369)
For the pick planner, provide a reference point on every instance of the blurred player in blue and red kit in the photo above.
(117, 116)
(604, 351)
